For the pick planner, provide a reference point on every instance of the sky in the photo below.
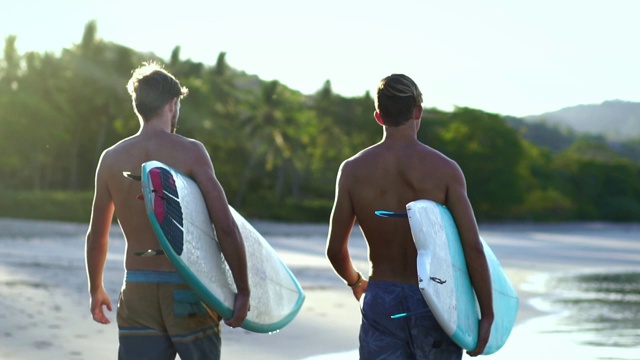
(512, 57)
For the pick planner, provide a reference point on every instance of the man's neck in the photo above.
(155, 125)
(400, 134)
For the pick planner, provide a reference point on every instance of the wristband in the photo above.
(357, 283)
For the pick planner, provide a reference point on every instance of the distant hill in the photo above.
(616, 120)
(542, 133)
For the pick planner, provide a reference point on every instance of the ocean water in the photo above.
(591, 316)
(604, 307)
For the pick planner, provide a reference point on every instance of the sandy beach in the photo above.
(44, 308)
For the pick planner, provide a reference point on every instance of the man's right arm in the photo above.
(229, 236)
(97, 245)
(341, 223)
(458, 203)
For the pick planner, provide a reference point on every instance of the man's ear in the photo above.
(173, 105)
(378, 118)
(417, 112)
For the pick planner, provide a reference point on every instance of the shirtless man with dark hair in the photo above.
(388, 175)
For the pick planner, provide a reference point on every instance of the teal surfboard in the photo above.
(444, 279)
(178, 214)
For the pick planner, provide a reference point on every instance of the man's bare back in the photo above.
(128, 156)
(387, 176)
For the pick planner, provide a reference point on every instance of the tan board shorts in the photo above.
(159, 316)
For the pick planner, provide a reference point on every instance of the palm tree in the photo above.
(273, 127)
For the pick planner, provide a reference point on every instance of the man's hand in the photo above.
(360, 289)
(484, 330)
(240, 310)
(97, 302)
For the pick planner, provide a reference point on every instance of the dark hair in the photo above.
(396, 99)
(151, 87)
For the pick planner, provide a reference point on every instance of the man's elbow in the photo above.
(329, 252)
(88, 240)
(334, 255)
(228, 232)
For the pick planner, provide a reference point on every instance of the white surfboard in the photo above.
(181, 221)
(444, 279)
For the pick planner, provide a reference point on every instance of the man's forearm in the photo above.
(95, 257)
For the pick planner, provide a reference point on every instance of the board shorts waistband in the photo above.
(389, 283)
(153, 277)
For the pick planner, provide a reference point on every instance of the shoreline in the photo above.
(44, 308)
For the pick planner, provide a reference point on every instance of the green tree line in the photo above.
(276, 151)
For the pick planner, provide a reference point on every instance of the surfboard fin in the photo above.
(131, 176)
(391, 214)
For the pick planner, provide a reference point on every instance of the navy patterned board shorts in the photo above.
(417, 336)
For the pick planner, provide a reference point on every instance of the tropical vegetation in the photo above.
(276, 151)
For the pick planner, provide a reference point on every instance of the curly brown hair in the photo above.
(151, 87)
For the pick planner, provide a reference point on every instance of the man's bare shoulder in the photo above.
(364, 155)
(362, 158)
(175, 142)
(436, 156)
(175, 150)
(439, 163)
(180, 142)
(112, 152)
(418, 161)
(420, 152)
(120, 146)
